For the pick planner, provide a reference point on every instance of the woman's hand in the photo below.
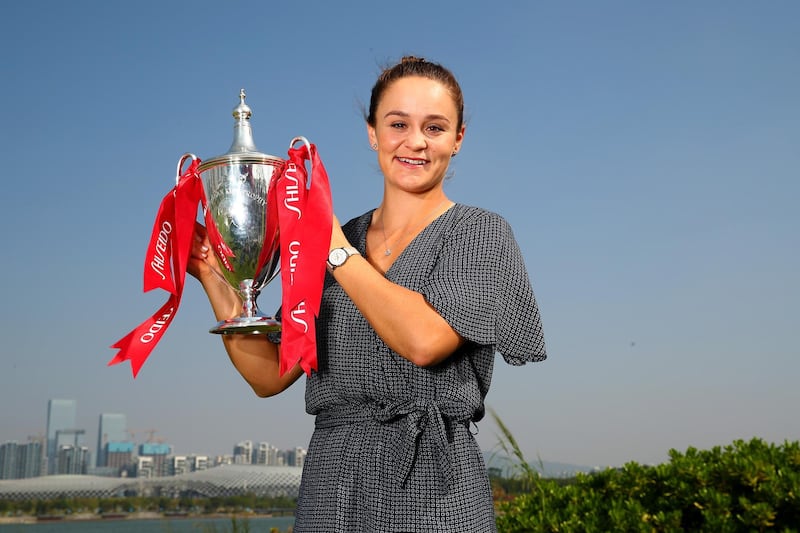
(224, 299)
(199, 265)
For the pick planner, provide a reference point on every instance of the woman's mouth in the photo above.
(409, 161)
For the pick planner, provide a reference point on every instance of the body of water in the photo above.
(165, 525)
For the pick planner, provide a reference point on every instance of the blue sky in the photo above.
(646, 154)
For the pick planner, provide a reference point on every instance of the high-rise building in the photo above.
(145, 466)
(157, 463)
(267, 454)
(8, 460)
(29, 459)
(119, 457)
(113, 428)
(198, 462)
(296, 457)
(61, 416)
(179, 464)
(72, 460)
(243, 453)
(18, 461)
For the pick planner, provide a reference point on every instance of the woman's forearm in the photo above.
(255, 358)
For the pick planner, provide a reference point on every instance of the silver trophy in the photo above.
(236, 186)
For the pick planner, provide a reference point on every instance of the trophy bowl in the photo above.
(237, 185)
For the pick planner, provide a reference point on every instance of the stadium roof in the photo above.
(224, 480)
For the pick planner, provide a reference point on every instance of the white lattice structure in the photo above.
(226, 480)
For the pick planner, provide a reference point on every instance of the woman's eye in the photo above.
(397, 125)
(434, 128)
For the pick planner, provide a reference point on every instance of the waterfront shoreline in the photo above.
(144, 515)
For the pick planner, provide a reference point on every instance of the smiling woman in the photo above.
(421, 294)
(417, 130)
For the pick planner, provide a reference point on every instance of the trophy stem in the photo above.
(251, 320)
(249, 294)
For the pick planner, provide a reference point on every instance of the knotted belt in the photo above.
(419, 420)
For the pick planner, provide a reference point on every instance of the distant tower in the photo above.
(113, 428)
(152, 461)
(60, 418)
(243, 453)
(8, 460)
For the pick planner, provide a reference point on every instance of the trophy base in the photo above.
(246, 325)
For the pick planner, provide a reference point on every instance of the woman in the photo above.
(422, 293)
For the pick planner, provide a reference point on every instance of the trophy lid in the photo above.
(243, 149)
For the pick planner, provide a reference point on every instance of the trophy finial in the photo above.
(242, 132)
(242, 111)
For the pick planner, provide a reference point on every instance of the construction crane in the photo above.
(39, 437)
(149, 432)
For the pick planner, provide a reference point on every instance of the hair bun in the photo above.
(411, 59)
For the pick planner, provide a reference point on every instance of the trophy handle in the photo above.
(182, 160)
(308, 145)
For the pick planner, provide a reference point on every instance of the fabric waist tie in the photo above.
(420, 420)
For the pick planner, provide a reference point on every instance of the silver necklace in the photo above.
(387, 250)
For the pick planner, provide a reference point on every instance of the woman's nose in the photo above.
(416, 140)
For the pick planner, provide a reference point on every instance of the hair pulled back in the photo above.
(415, 66)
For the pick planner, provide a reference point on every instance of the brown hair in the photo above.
(415, 66)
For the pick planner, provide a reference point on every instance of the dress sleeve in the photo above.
(481, 287)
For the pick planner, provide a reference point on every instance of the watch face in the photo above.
(337, 257)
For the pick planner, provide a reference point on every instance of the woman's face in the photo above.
(416, 130)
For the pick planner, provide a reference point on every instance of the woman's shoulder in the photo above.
(459, 217)
(472, 211)
(463, 215)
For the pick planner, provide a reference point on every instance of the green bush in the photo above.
(745, 486)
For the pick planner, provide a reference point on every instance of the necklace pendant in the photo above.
(388, 252)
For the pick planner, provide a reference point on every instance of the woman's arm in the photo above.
(256, 359)
(401, 317)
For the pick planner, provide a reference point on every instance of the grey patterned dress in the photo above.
(392, 448)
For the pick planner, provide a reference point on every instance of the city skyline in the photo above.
(117, 452)
(67, 414)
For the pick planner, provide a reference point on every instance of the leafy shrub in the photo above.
(745, 486)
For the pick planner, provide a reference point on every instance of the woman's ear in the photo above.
(460, 137)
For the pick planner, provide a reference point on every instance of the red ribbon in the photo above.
(165, 266)
(305, 216)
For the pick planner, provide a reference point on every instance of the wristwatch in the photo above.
(338, 256)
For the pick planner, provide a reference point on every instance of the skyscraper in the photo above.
(60, 419)
(19, 461)
(29, 459)
(8, 460)
(243, 453)
(113, 428)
